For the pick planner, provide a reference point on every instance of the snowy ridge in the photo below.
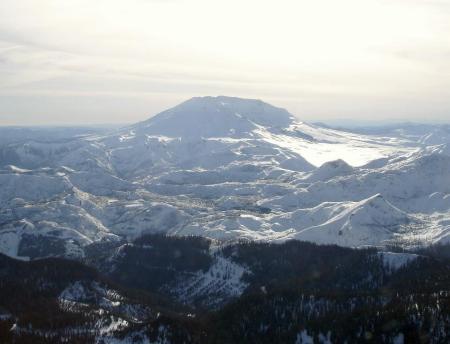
(371, 222)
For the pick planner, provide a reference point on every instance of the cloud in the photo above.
(307, 56)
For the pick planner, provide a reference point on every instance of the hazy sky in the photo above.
(85, 61)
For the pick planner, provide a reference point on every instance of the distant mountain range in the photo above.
(228, 169)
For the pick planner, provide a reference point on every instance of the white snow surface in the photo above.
(304, 338)
(228, 168)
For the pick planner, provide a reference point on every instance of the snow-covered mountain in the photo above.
(224, 168)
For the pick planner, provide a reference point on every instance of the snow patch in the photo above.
(223, 280)
(394, 261)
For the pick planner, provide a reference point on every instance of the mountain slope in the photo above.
(261, 292)
(371, 222)
(56, 300)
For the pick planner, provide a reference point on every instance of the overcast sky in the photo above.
(85, 61)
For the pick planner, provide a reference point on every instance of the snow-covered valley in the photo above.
(228, 169)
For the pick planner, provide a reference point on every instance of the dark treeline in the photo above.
(293, 290)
